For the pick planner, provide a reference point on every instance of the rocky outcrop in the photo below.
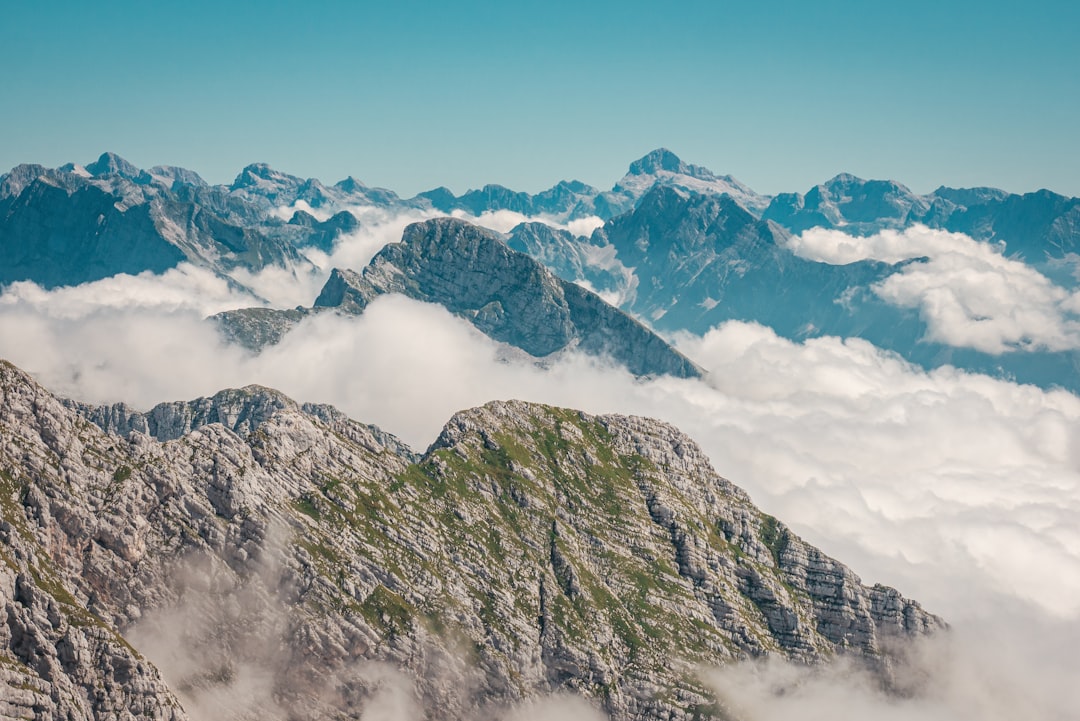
(309, 567)
(506, 294)
(240, 410)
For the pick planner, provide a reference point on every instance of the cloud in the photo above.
(961, 490)
(967, 292)
(962, 676)
(503, 221)
(286, 212)
(555, 708)
(184, 288)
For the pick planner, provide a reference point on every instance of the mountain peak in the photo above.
(351, 185)
(251, 174)
(112, 164)
(658, 160)
(843, 179)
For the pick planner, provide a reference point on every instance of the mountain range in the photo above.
(247, 556)
(680, 249)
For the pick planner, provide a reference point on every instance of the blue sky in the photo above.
(410, 95)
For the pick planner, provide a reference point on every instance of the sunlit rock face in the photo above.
(276, 560)
(506, 294)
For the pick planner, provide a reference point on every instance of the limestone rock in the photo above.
(281, 561)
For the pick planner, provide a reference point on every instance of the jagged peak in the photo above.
(658, 160)
(178, 174)
(256, 174)
(336, 287)
(112, 164)
(351, 185)
(446, 226)
(968, 196)
(304, 219)
(843, 179)
(15, 181)
(575, 186)
(11, 375)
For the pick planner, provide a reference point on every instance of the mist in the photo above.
(961, 490)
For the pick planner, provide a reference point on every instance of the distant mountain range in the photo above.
(681, 248)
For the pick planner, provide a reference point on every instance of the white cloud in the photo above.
(184, 288)
(889, 246)
(286, 212)
(503, 221)
(584, 226)
(967, 292)
(967, 675)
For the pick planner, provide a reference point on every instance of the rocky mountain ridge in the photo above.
(73, 225)
(308, 568)
(505, 294)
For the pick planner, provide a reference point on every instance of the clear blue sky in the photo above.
(410, 95)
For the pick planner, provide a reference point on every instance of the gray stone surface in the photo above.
(530, 550)
(509, 296)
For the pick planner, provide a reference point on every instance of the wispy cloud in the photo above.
(967, 292)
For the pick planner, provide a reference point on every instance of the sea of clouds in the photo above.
(961, 490)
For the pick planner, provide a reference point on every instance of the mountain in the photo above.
(475, 275)
(856, 205)
(74, 225)
(1040, 227)
(570, 200)
(296, 564)
(683, 248)
(77, 224)
(260, 184)
(688, 262)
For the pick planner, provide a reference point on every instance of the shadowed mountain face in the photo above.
(699, 260)
(530, 550)
(77, 224)
(507, 295)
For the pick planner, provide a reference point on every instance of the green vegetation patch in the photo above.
(774, 536)
(388, 610)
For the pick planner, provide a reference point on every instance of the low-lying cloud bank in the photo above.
(961, 490)
(1010, 672)
(968, 293)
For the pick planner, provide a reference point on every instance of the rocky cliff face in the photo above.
(699, 260)
(506, 294)
(309, 567)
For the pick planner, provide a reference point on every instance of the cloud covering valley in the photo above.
(961, 490)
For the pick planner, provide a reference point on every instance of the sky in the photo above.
(411, 95)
